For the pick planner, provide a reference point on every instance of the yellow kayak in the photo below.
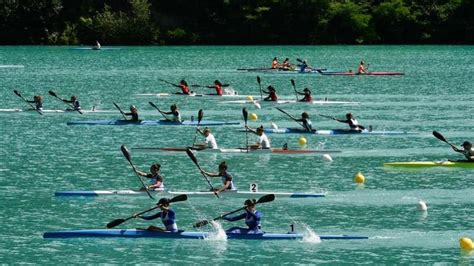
(431, 164)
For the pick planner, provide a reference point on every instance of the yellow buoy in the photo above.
(250, 98)
(359, 178)
(253, 117)
(302, 141)
(466, 243)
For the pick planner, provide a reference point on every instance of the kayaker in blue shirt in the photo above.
(38, 101)
(156, 180)
(252, 219)
(133, 113)
(227, 180)
(467, 151)
(75, 103)
(303, 66)
(167, 216)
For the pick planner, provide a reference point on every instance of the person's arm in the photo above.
(158, 183)
(150, 217)
(225, 186)
(30, 101)
(209, 174)
(342, 121)
(457, 149)
(300, 93)
(235, 218)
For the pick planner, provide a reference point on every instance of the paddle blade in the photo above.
(258, 79)
(152, 104)
(52, 94)
(266, 198)
(299, 60)
(191, 155)
(116, 222)
(293, 83)
(126, 153)
(178, 198)
(200, 115)
(201, 223)
(439, 136)
(245, 114)
(17, 93)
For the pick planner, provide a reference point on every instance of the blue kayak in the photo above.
(333, 132)
(138, 233)
(152, 123)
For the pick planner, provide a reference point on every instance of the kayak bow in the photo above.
(334, 132)
(152, 123)
(431, 164)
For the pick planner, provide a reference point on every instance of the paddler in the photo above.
(218, 87)
(252, 219)
(307, 95)
(156, 180)
(307, 125)
(97, 46)
(272, 96)
(176, 116)
(275, 64)
(167, 216)
(361, 69)
(209, 141)
(262, 142)
(303, 66)
(467, 151)
(351, 121)
(183, 85)
(227, 180)
(75, 103)
(286, 64)
(38, 101)
(133, 113)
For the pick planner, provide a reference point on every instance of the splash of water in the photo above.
(309, 235)
(217, 233)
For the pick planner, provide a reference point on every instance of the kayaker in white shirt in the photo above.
(262, 142)
(209, 141)
(467, 151)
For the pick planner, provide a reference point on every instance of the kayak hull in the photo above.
(374, 73)
(240, 151)
(190, 194)
(137, 233)
(165, 94)
(462, 164)
(152, 123)
(333, 132)
(17, 110)
(317, 102)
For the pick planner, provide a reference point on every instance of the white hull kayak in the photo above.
(463, 164)
(194, 95)
(317, 102)
(16, 110)
(333, 132)
(240, 151)
(140, 233)
(191, 194)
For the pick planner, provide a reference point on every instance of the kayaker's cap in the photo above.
(207, 130)
(163, 201)
(250, 202)
(466, 143)
(132, 107)
(305, 115)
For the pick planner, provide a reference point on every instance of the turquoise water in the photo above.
(41, 154)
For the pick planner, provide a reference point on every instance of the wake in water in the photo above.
(309, 235)
(217, 233)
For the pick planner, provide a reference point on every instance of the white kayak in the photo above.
(16, 110)
(224, 96)
(192, 194)
(239, 150)
(12, 66)
(320, 102)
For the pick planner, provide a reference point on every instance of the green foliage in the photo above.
(394, 22)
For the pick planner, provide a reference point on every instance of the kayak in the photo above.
(140, 233)
(431, 164)
(320, 102)
(282, 71)
(331, 132)
(225, 95)
(12, 66)
(152, 123)
(194, 194)
(95, 49)
(374, 73)
(240, 150)
(15, 110)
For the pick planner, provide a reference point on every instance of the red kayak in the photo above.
(374, 73)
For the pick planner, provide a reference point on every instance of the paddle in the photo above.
(327, 116)
(245, 114)
(126, 153)
(193, 158)
(442, 138)
(260, 86)
(263, 199)
(34, 108)
(118, 107)
(158, 109)
(116, 222)
(168, 82)
(290, 116)
(200, 115)
(70, 105)
(294, 88)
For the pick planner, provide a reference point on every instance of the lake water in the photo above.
(41, 154)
